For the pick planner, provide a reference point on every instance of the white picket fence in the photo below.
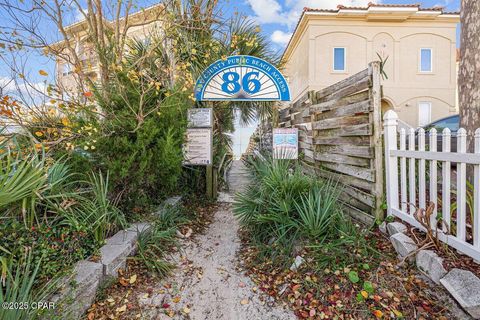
(405, 166)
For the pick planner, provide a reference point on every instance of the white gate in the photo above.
(411, 181)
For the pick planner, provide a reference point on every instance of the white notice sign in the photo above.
(198, 149)
(285, 143)
(200, 117)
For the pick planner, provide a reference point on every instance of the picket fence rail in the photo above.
(407, 174)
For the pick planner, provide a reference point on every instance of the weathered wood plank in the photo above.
(358, 141)
(344, 179)
(306, 139)
(347, 131)
(360, 195)
(339, 103)
(298, 119)
(336, 158)
(303, 102)
(284, 114)
(304, 145)
(354, 171)
(348, 82)
(356, 151)
(340, 122)
(307, 125)
(362, 217)
(308, 153)
(357, 130)
(364, 84)
(361, 107)
(347, 199)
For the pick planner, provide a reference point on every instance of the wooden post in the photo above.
(376, 138)
(209, 181)
(391, 162)
(215, 183)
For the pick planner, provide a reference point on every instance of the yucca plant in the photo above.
(318, 210)
(92, 210)
(18, 287)
(152, 248)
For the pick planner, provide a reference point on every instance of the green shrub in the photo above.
(283, 207)
(92, 210)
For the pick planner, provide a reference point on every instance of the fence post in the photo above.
(390, 122)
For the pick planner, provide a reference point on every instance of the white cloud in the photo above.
(266, 11)
(281, 37)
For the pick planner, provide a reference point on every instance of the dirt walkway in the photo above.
(208, 284)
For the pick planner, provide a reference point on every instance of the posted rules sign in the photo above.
(285, 143)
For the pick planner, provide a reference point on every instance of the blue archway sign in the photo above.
(241, 78)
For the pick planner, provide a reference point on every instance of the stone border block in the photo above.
(403, 245)
(396, 227)
(430, 264)
(464, 286)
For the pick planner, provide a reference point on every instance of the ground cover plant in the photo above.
(51, 218)
(348, 271)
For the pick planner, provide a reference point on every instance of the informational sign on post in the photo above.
(198, 149)
(200, 118)
(285, 143)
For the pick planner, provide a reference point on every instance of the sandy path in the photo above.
(208, 281)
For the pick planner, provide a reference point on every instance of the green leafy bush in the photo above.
(57, 247)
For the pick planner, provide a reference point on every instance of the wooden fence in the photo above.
(340, 138)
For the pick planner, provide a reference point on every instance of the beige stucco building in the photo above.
(141, 25)
(420, 43)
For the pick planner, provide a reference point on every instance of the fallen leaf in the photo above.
(176, 299)
(378, 313)
(43, 73)
(165, 306)
(244, 301)
(364, 294)
(91, 316)
(242, 285)
(122, 308)
(186, 310)
(133, 279)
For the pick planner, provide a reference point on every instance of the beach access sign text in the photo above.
(242, 78)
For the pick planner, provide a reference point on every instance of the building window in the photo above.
(424, 113)
(426, 60)
(339, 62)
(67, 69)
